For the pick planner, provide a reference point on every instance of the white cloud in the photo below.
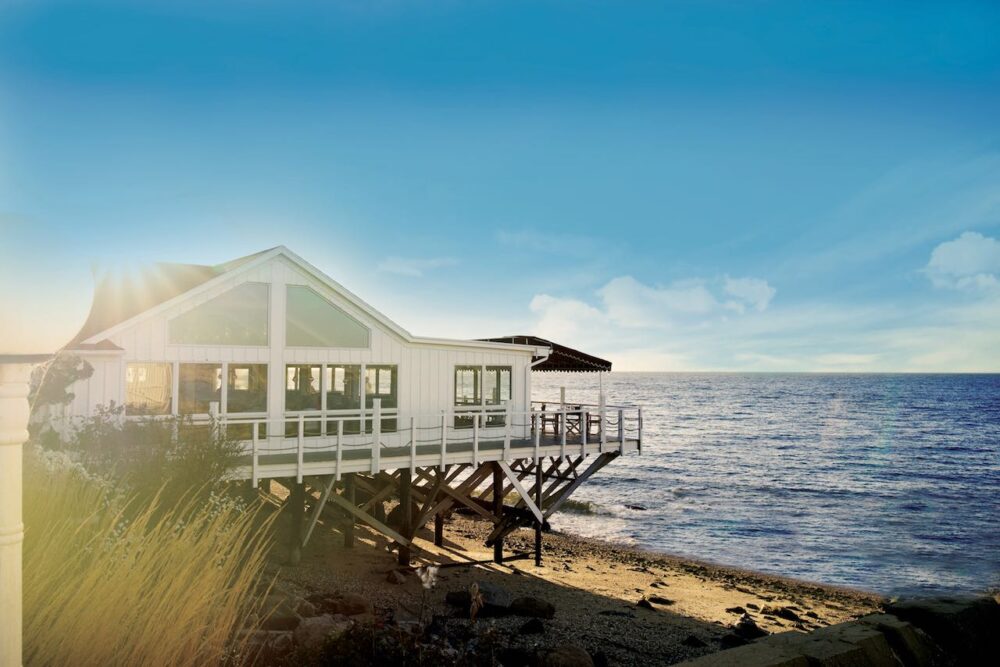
(749, 291)
(413, 267)
(564, 319)
(970, 261)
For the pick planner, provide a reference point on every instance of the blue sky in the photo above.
(676, 186)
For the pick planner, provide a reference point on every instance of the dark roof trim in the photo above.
(562, 358)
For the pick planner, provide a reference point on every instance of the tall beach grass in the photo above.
(108, 582)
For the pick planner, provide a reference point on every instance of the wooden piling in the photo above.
(538, 524)
(498, 510)
(406, 518)
(297, 509)
(438, 529)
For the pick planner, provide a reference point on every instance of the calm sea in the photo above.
(889, 483)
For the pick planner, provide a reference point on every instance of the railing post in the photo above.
(562, 429)
(603, 411)
(376, 434)
(537, 421)
(584, 428)
(444, 439)
(506, 436)
(213, 416)
(475, 440)
(253, 453)
(340, 438)
(301, 448)
(621, 431)
(639, 433)
(413, 443)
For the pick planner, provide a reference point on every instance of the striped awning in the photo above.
(562, 358)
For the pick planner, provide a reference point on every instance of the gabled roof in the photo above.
(120, 302)
(561, 358)
(120, 298)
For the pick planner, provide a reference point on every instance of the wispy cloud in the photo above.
(414, 267)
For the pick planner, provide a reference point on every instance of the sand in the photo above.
(594, 586)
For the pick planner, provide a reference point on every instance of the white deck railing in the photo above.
(571, 428)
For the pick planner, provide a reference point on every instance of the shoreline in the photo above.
(632, 605)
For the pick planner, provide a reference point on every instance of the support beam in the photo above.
(538, 524)
(369, 519)
(318, 510)
(297, 508)
(498, 509)
(406, 518)
(438, 529)
(521, 491)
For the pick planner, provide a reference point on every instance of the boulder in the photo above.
(281, 622)
(565, 655)
(496, 599)
(659, 599)
(305, 608)
(314, 632)
(964, 629)
(352, 604)
(533, 607)
(748, 629)
(395, 577)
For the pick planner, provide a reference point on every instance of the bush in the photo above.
(106, 583)
(169, 456)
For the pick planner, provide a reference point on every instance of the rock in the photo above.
(281, 642)
(693, 641)
(787, 614)
(812, 614)
(565, 655)
(636, 507)
(281, 622)
(314, 632)
(533, 607)
(660, 600)
(644, 603)
(965, 629)
(496, 599)
(736, 610)
(395, 577)
(352, 604)
(748, 629)
(532, 627)
(305, 608)
(751, 605)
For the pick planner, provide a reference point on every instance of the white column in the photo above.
(13, 433)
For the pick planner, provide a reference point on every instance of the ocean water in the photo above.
(889, 483)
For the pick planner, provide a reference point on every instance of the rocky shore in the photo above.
(590, 602)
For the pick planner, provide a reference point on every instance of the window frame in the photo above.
(367, 328)
(268, 333)
(495, 413)
(330, 416)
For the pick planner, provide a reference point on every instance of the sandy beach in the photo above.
(689, 608)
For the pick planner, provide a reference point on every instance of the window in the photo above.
(198, 385)
(467, 385)
(312, 321)
(246, 390)
(148, 389)
(496, 391)
(302, 387)
(343, 392)
(380, 382)
(236, 317)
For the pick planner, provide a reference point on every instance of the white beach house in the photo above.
(319, 384)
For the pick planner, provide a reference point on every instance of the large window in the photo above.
(312, 321)
(467, 387)
(198, 386)
(236, 317)
(246, 388)
(380, 382)
(302, 388)
(486, 387)
(342, 384)
(148, 389)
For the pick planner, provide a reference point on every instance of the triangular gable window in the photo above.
(236, 317)
(312, 321)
